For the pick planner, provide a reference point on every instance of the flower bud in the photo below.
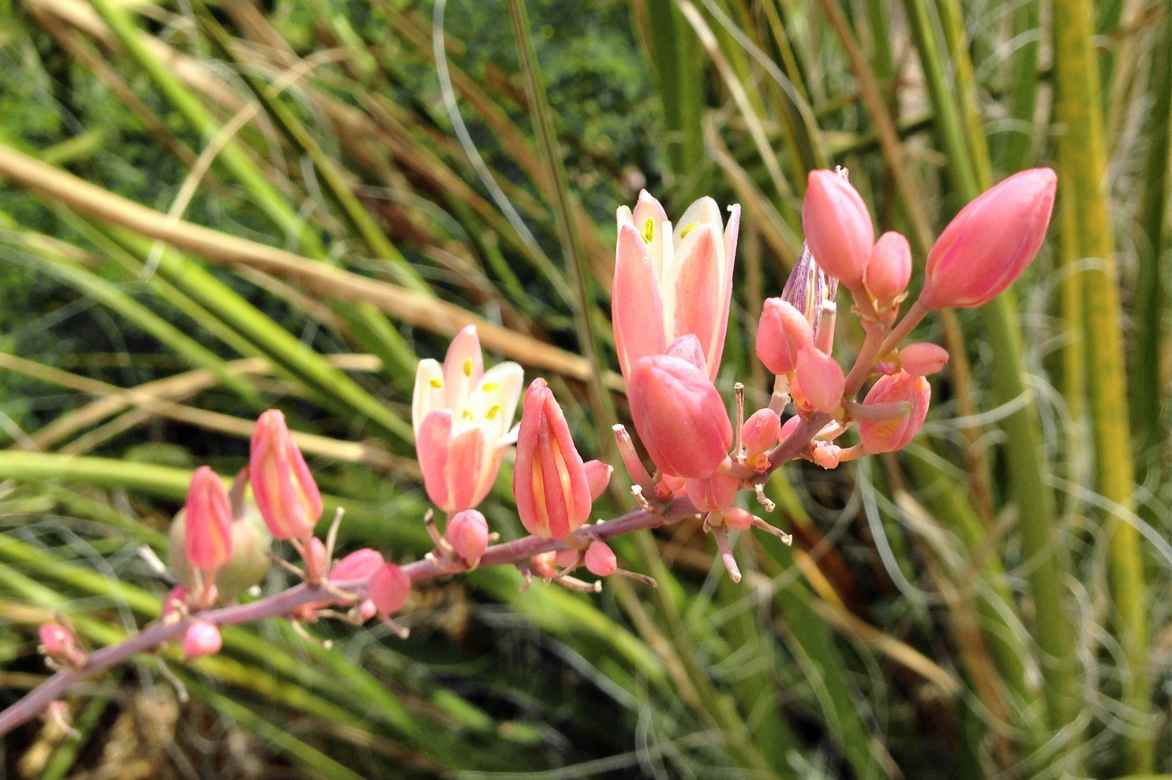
(827, 455)
(838, 226)
(600, 559)
(549, 479)
(247, 565)
(598, 477)
(358, 566)
(467, 532)
(282, 484)
(208, 535)
(388, 588)
(788, 428)
(819, 382)
(57, 641)
(782, 332)
(923, 358)
(202, 638)
(990, 242)
(679, 415)
(759, 434)
(891, 434)
(889, 269)
(714, 493)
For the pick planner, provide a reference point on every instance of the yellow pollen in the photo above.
(466, 414)
(649, 230)
(468, 367)
(688, 228)
(493, 411)
(490, 387)
(436, 383)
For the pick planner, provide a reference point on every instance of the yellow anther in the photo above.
(436, 383)
(468, 367)
(688, 228)
(490, 387)
(649, 230)
(493, 411)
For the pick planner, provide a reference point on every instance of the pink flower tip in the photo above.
(819, 382)
(600, 559)
(282, 484)
(889, 268)
(550, 482)
(759, 434)
(467, 532)
(680, 417)
(923, 358)
(208, 521)
(782, 332)
(598, 476)
(202, 638)
(57, 640)
(389, 588)
(838, 226)
(895, 433)
(990, 242)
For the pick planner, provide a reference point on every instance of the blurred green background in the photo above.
(990, 603)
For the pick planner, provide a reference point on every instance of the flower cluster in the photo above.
(670, 308)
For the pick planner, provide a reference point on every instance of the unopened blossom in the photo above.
(679, 416)
(838, 226)
(600, 559)
(990, 242)
(671, 282)
(818, 381)
(202, 638)
(247, 565)
(462, 417)
(388, 587)
(759, 435)
(467, 533)
(923, 358)
(894, 433)
(549, 480)
(60, 644)
(282, 483)
(889, 268)
(208, 526)
(598, 476)
(782, 332)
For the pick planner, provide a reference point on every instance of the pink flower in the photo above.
(759, 434)
(549, 479)
(838, 226)
(889, 435)
(282, 484)
(388, 588)
(202, 638)
(923, 358)
(462, 417)
(208, 518)
(819, 382)
(712, 494)
(600, 560)
(57, 641)
(598, 477)
(782, 333)
(889, 268)
(679, 415)
(467, 532)
(990, 242)
(358, 566)
(670, 283)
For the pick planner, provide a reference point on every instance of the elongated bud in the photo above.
(600, 560)
(598, 477)
(714, 493)
(202, 638)
(889, 269)
(679, 415)
(59, 643)
(782, 332)
(838, 226)
(923, 358)
(549, 480)
(208, 534)
(990, 242)
(889, 435)
(760, 432)
(282, 484)
(819, 381)
(467, 532)
(388, 588)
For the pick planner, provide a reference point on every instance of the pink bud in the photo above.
(782, 333)
(759, 433)
(838, 226)
(175, 600)
(923, 358)
(467, 532)
(358, 566)
(282, 484)
(388, 588)
(202, 638)
(788, 428)
(57, 640)
(889, 435)
(827, 455)
(549, 479)
(679, 416)
(600, 559)
(598, 477)
(208, 530)
(890, 267)
(819, 382)
(567, 558)
(714, 493)
(990, 242)
(315, 559)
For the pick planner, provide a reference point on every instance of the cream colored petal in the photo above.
(429, 391)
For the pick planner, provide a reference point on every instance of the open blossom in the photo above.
(679, 415)
(889, 435)
(990, 242)
(282, 484)
(462, 416)
(671, 282)
(838, 226)
(550, 481)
